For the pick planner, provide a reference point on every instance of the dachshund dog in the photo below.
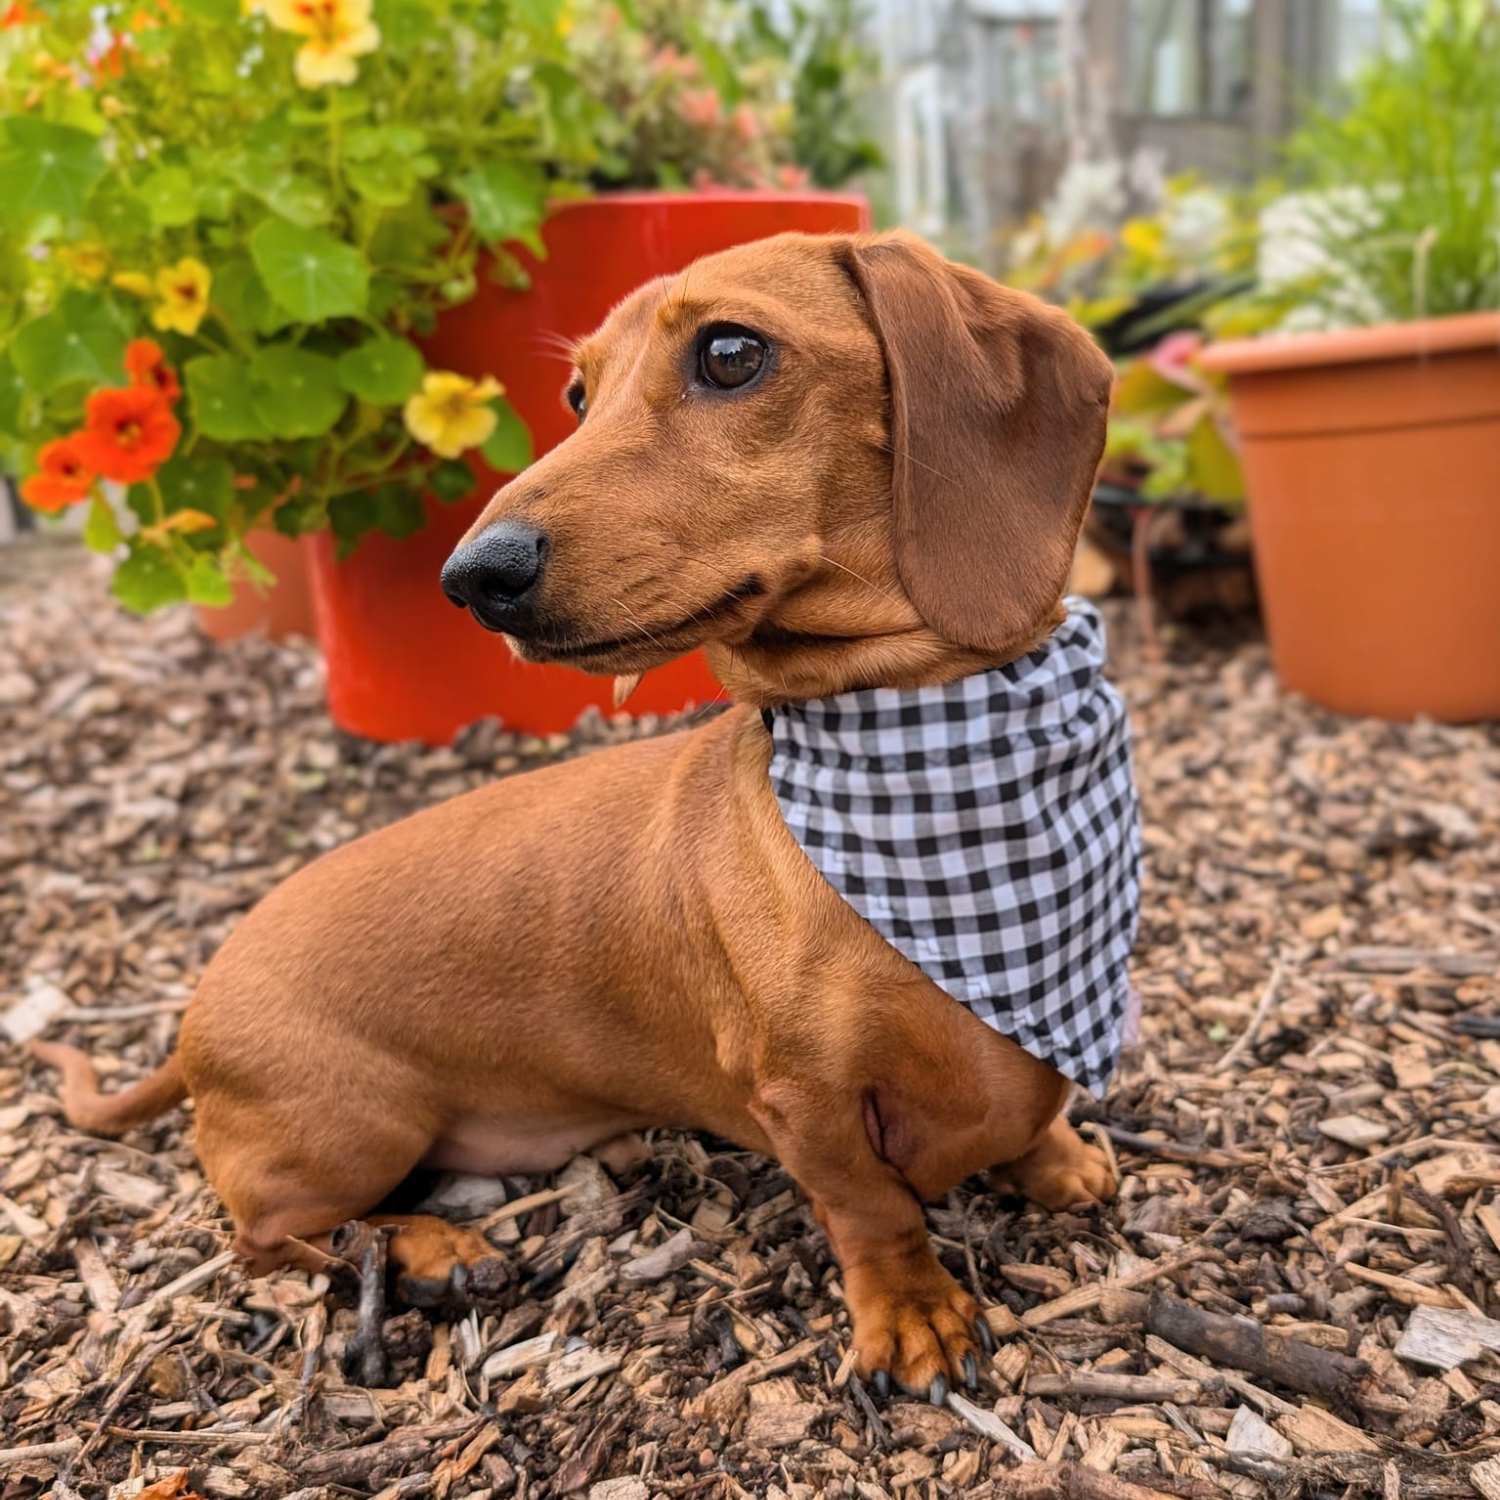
(837, 464)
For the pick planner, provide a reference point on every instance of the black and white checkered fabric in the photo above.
(989, 830)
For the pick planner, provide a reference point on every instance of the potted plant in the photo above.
(691, 96)
(232, 256)
(1167, 515)
(1170, 495)
(1371, 447)
(249, 240)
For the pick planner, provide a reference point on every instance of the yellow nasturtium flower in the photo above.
(136, 283)
(182, 291)
(88, 262)
(337, 32)
(450, 413)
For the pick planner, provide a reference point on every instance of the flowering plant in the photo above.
(1169, 431)
(229, 225)
(1148, 286)
(723, 92)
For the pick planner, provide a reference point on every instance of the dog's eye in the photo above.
(577, 399)
(730, 357)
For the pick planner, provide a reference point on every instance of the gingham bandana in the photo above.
(988, 830)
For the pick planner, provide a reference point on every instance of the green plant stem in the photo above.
(335, 145)
(158, 500)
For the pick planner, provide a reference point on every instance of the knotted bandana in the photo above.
(988, 830)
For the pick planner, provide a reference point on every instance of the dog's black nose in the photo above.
(495, 576)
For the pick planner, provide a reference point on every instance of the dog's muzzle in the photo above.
(498, 575)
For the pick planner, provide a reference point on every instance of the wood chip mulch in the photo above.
(1297, 1291)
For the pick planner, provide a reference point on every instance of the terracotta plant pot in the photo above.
(276, 610)
(1372, 462)
(402, 662)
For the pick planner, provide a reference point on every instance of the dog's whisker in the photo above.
(559, 343)
(835, 563)
(909, 458)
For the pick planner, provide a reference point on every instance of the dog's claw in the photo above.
(937, 1392)
(971, 1370)
(985, 1334)
(425, 1291)
(881, 1380)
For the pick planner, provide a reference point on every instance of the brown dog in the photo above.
(835, 463)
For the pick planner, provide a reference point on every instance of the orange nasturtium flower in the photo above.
(337, 32)
(148, 368)
(129, 433)
(62, 478)
(183, 290)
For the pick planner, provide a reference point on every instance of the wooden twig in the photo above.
(1112, 1386)
(126, 1384)
(1083, 1298)
(1247, 1037)
(1245, 1345)
(142, 1012)
(365, 1356)
(60, 1449)
(1207, 1156)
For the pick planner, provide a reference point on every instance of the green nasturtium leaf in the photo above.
(366, 142)
(171, 197)
(387, 181)
(383, 371)
(310, 273)
(407, 238)
(148, 578)
(540, 14)
(505, 199)
(203, 484)
(296, 394)
(118, 216)
(395, 509)
(508, 449)
(101, 531)
(297, 199)
(451, 480)
(206, 583)
(46, 168)
(80, 339)
(221, 398)
(12, 394)
(241, 296)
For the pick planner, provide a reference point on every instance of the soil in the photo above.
(1293, 1293)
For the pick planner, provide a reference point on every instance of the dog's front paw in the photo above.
(914, 1325)
(440, 1265)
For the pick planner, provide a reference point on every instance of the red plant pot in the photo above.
(402, 662)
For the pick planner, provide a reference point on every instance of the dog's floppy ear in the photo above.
(998, 413)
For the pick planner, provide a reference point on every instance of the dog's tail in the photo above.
(98, 1113)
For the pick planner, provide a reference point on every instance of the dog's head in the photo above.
(836, 462)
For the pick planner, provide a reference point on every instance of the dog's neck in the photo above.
(778, 665)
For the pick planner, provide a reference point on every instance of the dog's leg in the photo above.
(1059, 1171)
(912, 1322)
(295, 1198)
